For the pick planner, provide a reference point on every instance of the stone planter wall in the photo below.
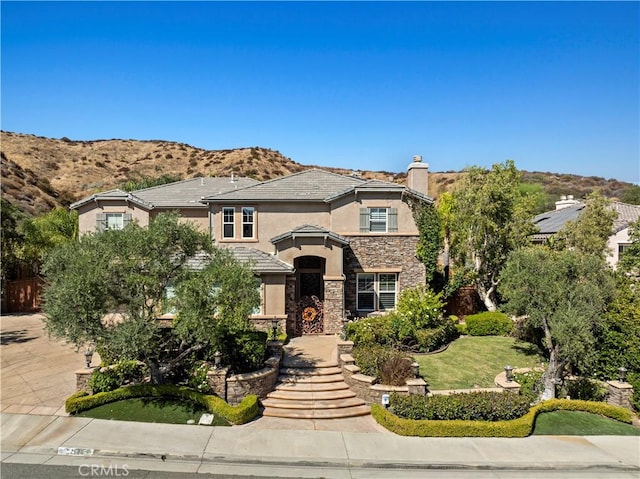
(259, 382)
(82, 378)
(365, 387)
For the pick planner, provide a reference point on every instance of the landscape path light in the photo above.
(622, 374)
(88, 354)
(415, 369)
(274, 328)
(508, 370)
(217, 359)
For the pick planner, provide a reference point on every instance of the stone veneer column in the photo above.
(333, 304)
(290, 305)
(82, 378)
(620, 394)
(217, 379)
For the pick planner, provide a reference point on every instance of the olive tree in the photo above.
(109, 288)
(563, 295)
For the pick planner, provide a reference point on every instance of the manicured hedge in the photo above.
(520, 427)
(240, 414)
(473, 406)
(489, 324)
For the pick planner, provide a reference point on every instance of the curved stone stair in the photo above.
(317, 392)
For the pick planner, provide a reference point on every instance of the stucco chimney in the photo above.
(418, 175)
(566, 201)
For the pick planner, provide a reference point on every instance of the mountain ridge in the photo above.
(40, 173)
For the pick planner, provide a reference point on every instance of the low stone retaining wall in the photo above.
(235, 387)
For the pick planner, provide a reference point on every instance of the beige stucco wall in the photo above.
(273, 294)
(87, 213)
(613, 242)
(196, 216)
(345, 214)
(331, 251)
(270, 220)
(341, 216)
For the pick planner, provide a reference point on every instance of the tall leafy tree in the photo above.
(43, 233)
(491, 219)
(631, 195)
(129, 272)
(444, 207)
(591, 230)
(563, 295)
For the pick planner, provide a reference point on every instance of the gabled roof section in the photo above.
(259, 261)
(627, 214)
(113, 195)
(308, 185)
(180, 194)
(189, 193)
(310, 231)
(551, 222)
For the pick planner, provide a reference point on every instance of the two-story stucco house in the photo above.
(341, 243)
(569, 209)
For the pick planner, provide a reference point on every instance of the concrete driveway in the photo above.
(37, 373)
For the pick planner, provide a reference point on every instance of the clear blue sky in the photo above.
(553, 86)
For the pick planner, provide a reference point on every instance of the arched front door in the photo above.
(310, 272)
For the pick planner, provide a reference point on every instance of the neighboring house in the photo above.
(568, 209)
(342, 244)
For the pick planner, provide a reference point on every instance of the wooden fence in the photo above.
(23, 295)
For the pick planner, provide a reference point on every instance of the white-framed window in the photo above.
(112, 221)
(621, 248)
(248, 219)
(366, 297)
(376, 291)
(378, 220)
(387, 291)
(228, 222)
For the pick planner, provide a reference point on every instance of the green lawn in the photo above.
(474, 361)
(165, 410)
(574, 423)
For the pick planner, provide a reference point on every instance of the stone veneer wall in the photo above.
(381, 252)
(620, 394)
(333, 306)
(259, 382)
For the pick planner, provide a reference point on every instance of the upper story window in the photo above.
(376, 291)
(228, 222)
(247, 222)
(378, 220)
(622, 247)
(112, 221)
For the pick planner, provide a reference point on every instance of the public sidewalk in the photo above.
(29, 438)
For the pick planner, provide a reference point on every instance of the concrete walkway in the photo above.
(37, 375)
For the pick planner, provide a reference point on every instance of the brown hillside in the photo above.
(41, 173)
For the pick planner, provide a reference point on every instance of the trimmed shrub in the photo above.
(242, 413)
(244, 352)
(372, 330)
(520, 427)
(489, 324)
(435, 338)
(475, 406)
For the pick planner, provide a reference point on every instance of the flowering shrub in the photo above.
(530, 384)
(198, 377)
(416, 325)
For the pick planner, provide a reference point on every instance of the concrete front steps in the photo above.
(313, 393)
